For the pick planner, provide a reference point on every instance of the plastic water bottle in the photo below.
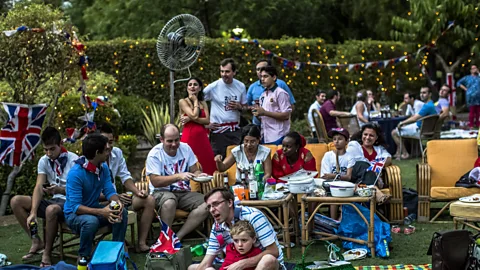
(409, 219)
(82, 264)
(252, 184)
(259, 174)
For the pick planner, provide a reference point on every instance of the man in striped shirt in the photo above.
(220, 203)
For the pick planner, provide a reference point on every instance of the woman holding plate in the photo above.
(292, 157)
(247, 154)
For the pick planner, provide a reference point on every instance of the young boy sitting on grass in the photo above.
(244, 238)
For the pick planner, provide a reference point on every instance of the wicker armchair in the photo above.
(349, 123)
(442, 166)
(320, 128)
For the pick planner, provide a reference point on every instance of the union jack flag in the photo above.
(21, 134)
(167, 241)
(376, 165)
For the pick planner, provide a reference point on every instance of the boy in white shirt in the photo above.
(337, 164)
(53, 169)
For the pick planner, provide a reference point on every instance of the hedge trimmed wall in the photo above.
(139, 72)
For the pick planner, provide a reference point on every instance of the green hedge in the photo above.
(135, 65)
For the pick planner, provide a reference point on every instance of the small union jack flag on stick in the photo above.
(21, 134)
(167, 241)
(376, 166)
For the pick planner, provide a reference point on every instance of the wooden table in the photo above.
(321, 201)
(279, 220)
(467, 214)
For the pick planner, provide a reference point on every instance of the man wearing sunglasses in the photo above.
(256, 89)
(220, 204)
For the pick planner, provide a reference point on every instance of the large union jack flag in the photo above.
(167, 241)
(21, 134)
(376, 165)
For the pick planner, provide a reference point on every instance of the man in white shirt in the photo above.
(413, 105)
(141, 200)
(320, 98)
(171, 166)
(228, 97)
(53, 169)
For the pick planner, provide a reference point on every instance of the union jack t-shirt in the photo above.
(160, 163)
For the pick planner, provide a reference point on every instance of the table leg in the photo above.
(371, 226)
(304, 227)
(286, 230)
(455, 224)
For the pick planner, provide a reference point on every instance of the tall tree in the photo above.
(31, 58)
(428, 19)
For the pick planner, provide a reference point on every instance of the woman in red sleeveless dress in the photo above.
(194, 116)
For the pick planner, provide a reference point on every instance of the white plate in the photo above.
(299, 176)
(354, 254)
(471, 199)
(203, 178)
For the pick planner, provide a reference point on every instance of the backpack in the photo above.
(453, 250)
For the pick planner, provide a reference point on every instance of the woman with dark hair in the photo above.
(247, 153)
(369, 144)
(360, 108)
(194, 116)
(292, 157)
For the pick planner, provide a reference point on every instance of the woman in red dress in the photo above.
(194, 116)
(292, 157)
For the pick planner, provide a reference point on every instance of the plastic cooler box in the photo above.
(109, 255)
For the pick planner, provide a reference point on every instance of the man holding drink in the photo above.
(228, 99)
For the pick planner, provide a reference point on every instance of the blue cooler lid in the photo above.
(107, 252)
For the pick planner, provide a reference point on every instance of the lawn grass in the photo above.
(406, 249)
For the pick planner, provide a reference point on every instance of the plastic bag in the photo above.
(353, 226)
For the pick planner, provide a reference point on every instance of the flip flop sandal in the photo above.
(409, 230)
(396, 229)
(30, 255)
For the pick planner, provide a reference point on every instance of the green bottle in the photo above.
(259, 174)
(199, 250)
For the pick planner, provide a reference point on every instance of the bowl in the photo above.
(342, 189)
(364, 192)
(319, 181)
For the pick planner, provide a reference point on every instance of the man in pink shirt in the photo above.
(274, 109)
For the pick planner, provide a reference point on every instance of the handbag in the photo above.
(164, 261)
(451, 250)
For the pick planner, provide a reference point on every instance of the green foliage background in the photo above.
(138, 71)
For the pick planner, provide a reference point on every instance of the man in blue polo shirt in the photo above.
(256, 89)
(88, 178)
(411, 126)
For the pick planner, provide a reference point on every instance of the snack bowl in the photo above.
(364, 192)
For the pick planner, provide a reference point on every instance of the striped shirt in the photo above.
(220, 234)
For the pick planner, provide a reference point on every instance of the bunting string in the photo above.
(298, 65)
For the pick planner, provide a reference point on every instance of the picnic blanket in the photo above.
(396, 267)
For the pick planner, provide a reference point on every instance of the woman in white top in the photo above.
(372, 105)
(360, 108)
(247, 153)
(369, 144)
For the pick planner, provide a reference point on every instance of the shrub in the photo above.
(130, 109)
(138, 71)
(69, 110)
(128, 144)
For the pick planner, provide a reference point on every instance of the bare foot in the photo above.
(143, 248)
(46, 260)
(405, 156)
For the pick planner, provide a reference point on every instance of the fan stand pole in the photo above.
(172, 98)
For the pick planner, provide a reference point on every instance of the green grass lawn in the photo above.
(406, 249)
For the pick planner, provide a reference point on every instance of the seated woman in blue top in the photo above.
(411, 126)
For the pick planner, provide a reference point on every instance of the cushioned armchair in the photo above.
(444, 163)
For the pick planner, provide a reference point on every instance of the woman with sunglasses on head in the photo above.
(247, 154)
(194, 116)
(292, 157)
